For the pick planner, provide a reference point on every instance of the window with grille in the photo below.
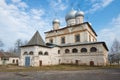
(62, 40)
(77, 38)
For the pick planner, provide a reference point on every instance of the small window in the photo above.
(77, 38)
(58, 51)
(93, 49)
(67, 50)
(13, 61)
(31, 53)
(46, 53)
(62, 40)
(40, 53)
(74, 50)
(89, 38)
(51, 40)
(25, 53)
(83, 50)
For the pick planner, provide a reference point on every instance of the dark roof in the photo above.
(36, 45)
(47, 45)
(1, 54)
(11, 54)
(80, 44)
(7, 54)
(73, 26)
(36, 40)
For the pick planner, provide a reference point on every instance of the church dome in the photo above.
(70, 15)
(79, 13)
(56, 21)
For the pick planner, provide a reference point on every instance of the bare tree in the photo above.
(16, 48)
(114, 55)
(1, 45)
(24, 42)
(18, 43)
(11, 50)
(115, 47)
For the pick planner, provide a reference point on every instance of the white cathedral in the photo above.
(76, 43)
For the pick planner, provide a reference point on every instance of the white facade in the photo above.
(74, 44)
(40, 59)
(10, 60)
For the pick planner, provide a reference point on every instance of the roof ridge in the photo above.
(36, 40)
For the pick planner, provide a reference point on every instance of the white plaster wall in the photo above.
(10, 61)
(50, 59)
(1, 62)
(84, 58)
(22, 56)
(99, 57)
(91, 33)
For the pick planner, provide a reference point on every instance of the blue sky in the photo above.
(19, 19)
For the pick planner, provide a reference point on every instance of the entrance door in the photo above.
(91, 63)
(40, 63)
(76, 62)
(17, 62)
(27, 61)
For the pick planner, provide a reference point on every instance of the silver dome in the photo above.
(79, 13)
(56, 21)
(70, 15)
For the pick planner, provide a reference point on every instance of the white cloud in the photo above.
(20, 4)
(58, 5)
(16, 23)
(111, 32)
(37, 13)
(98, 4)
(16, 1)
(92, 1)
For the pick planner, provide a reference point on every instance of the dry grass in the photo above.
(14, 68)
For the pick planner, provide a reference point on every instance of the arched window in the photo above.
(67, 50)
(31, 53)
(13, 61)
(83, 50)
(40, 53)
(46, 53)
(93, 49)
(25, 53)
(74, 50)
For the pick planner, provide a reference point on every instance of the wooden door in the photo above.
(40, 63)
(76, 62)
(27, 61)
(91, 63)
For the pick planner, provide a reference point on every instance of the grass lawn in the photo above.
(14, 68)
